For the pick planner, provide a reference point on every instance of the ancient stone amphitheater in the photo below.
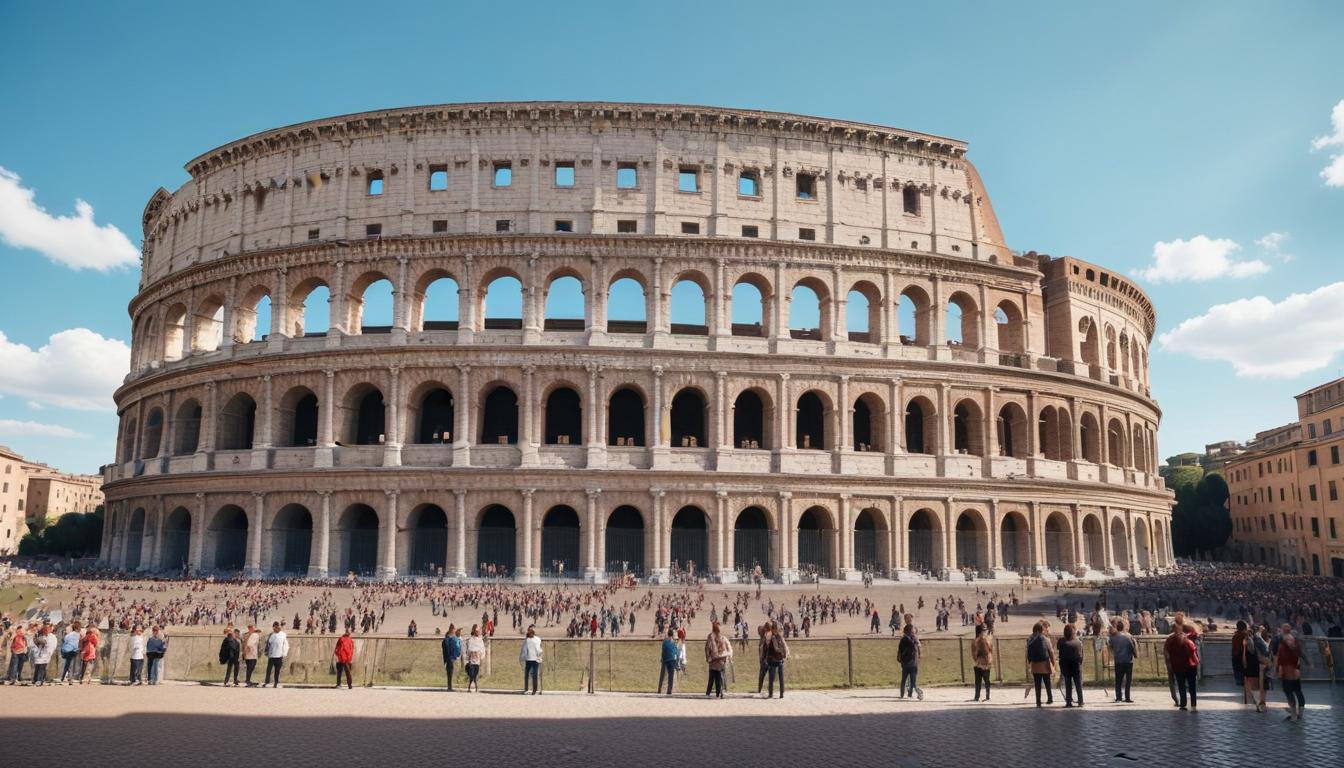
(653, 339)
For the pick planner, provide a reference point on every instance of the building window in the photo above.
(439, 226)
(688, 179)
(1311, 492)
(750, 230)
(749, 184)
(1334, 454)
(910, 203)
(805, 233)
(314, 234)
(806, 185)
(373, 230)
(503, 174)
(1332, 490)
(1315, 528)
(1311, 430)
(564, 174)
(627, 176)
(626, 226)
(690, 228)
(438, 178)
(1311, 458)
(564, 225)
(1333, 533)
(503, 225)
(375, 183)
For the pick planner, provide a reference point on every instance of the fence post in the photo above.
(998, 660)
(961, 658)
(592, 656)
(849, 650)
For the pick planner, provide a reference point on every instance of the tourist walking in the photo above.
(982, 655)
(475, 654)
(70, 654)
(669, 659)
(155, 647)
(230, 651)
(1183, 659)
(452, 651)
(776, 653)
(1247, 661)
(1288, 666)
(137, 655)
(529, 655)
(1124, 649)
(251, 650)
(908, 653)
(1259, 649)
(277, 648)
(1040, 662)
(718, 652)
(1071, 665)
(344, 656)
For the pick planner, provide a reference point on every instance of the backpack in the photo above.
(1038, 650)
(777, 650)
(905, 653)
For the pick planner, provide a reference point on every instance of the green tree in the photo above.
(1200, 521)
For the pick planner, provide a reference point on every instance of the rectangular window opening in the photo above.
(503, 225)
(806, 186)
(690, 228)
(688, 179)
(438, 178)
(375, 183)
(503, 174)
(749, 184)
(805, 233)
(564, 225)
(627, 176)
(314, 234)
(564, 174)
(626, 226)
(373, 230)
(439, 226)
(750, 230)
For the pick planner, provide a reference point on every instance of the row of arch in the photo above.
(293, 542)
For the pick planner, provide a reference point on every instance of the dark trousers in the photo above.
(472, 671)
(69, 664)
(249, 665)
(760, 678)
(16, 662)
(449, 666)
(1124, 676)
(1040, 680)
(981, 675)
(909, 678)
(1073, 681)
(715, 683)
(39, 674)
(273, 665)
(231, 669)
(1171, 685)
(1292, 690)
(776, 668)
(667, 671)
(137, 666)
(1185, 684)
(532, 671)
(344, 669)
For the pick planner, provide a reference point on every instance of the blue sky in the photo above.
(1100, 132)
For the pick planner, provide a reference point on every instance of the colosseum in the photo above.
(648, 339)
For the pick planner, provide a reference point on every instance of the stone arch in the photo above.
(357, 538)
(626, 417)
(1094, 542)
(809, 297)
(817, 541)
(1142, 557)
(135, 537)
(868, 423)
(496, 542)
(1110, 347)
(291, 541)
(499, 415)
(921, 426)
(689, 419)
(812, 430)
(689, 304)
(560, 540)
(175, 549)
(1117, 452)
(427, 534)
(1089, 348)
(1124, 354)
(749, 305)
(153, 434)
(236, 424)
(1139, 448)
(174, 327)
(915, 312)
(690, 540)
(626, 291)
(128, 433)
(1010, 327)
(1058, 541)
(562, 415)
(501, 300)
(367, 286)
(565, 301)
(432, 410)
(226, 537)
(753, 419)
(870, 538)
(246, 314)
(309, 308)
(972, 535)
(1055, 433)
(1015, 541)
(298, 418)
(924, 549)
(1011, 426)
(1119, 544)
(365, 415)
(968, 428)
(624, 541)
(435, 305)
(187, 428)
(1089, 435)
(208, 324)
(963, 321)
(863, 303)
(751, 540)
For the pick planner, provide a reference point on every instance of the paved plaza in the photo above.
(177, 724)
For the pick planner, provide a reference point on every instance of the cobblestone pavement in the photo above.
(184, 724)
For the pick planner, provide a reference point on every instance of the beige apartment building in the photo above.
(30, 490)
(13, 498)
(1285, 489)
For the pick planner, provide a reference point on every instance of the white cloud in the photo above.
(1197, 260)
(36, 406)
(1267, 339)
(1272, 244)
(75, 369)
(1334, 172)
(74, 241)
(15, 428)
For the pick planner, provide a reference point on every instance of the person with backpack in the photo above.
(1041, 662)
(718, 652)
(982, 653)
(1288, 665)
(452, 651)
(155, 647)
(776, 652)
(229, 651)
(344, 657)
(1124, 649)
(907, 653)
(1071, 665)
(669, 660)
(1183, 659)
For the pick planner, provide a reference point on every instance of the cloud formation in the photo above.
(1197, 260)
(16, 428)
(1334, 171)
(76, 369)
(1266, 339)
(75, 241)
(1272, 244)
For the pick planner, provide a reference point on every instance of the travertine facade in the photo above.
(1284, 491)
(1000, 422)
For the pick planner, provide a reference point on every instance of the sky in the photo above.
(1197, 147)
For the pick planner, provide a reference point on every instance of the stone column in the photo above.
(532, 325)
(197, 540)
(466, 297)
(1076, 522)
(598, 289)
(844, 547)
(660, 450)
(596, 450)
(786, 538)
(464, 403)
(896, 561)
(387, 560)
(252, 562)
(529, 441)
(280, 308)
(783, 409)
(205, 443)
(722, 559)
(1107, 546)
(392, 445)
(401, 309)
(779, 314)
(325, 453)
(949, 535)
(459, 566)
(527, 573)
(844, 420)
(722, 423)
(321, 556)
(661, 540)
(261, 449)
(591, 571)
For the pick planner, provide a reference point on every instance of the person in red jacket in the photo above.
(1183, 656)
(345, 656)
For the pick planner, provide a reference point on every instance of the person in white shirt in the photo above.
(137, 655)
(529, 655)
(277, 648)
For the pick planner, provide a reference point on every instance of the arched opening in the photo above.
(252, 321)
(863, 313)
(298, 418)
(564, 417)
(176, 545)
(1110, 348)
(690, 540)
(496, 542)
(438, 309)
(921, 426)
(208, 329)
(310, 309)
(564, 304)
(1088, 348)
(689, 414)
(149, 444)
(128, 439)
(357, 536)
(1090, 436)
(187, 428)
(866, 424)
(913, 310)
(968, 428)
(923, 553)
(963, 321)
(174, 326)
(237, 422)
(1139, 448)
(1056, 434)
(626, 308)
(1011, 331)
(371, 304)
(870, 530)
(1119, 544)
(366, 422)
(1015, 542)
(429, 540)
(499, 418)
(688, 312)
(1058, 543)
(1141, 556)
(748, 308)
(972, 542)
(749, 421)
(625, 418)
(751, 541)
(292, 540)
(816, 538)
(228, 538)
(135, 536)
(435, 420)
(1115, 444)
(625, 541)
(1012, 431)
(560, 541)
(1093, 543)
(810, 426)
(805, 311)
(1124, 354)
(503, 304)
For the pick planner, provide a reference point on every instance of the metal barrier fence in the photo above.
(632, 665)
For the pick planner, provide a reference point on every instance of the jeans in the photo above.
(1186, 683)
(155, 669)
(981, 674)
(760, 678)
(16, 662)
(273, 664)
(1072, 672)
(39, 673)
(1292, 689)
(137, 666)
(69, 664)
(531, 671)
(344, 669)
(776, 668)
(909, 675)
(1124, 676)
(1171, 685)
(715, 683)
(249, 665)
(231, 668)
(448, 665)
(667, 671)
(472, 671)
(1040, 679)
